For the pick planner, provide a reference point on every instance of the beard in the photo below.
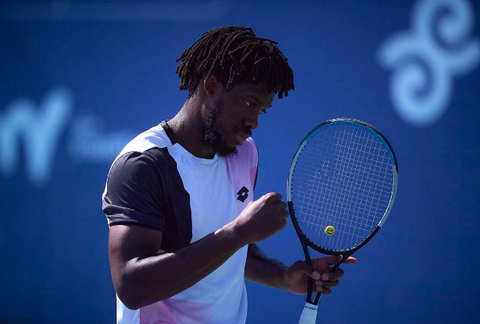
(211, 135)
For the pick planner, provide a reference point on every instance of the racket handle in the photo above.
(309, 314)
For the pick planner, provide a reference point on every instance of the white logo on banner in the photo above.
(88, 143)
(425, 59)
(38, 131)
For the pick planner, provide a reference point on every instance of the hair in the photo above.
(235, 55)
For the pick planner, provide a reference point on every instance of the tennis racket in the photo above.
(341, 187)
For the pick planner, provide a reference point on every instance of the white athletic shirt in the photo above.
(156, 183)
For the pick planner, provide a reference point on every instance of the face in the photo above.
(233, 116)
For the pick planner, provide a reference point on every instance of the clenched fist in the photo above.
(262, 218)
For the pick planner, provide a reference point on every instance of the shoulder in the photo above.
(144, 153)
(134, 172)
(139, 162)
(153, 137)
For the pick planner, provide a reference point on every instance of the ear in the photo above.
(210, 85)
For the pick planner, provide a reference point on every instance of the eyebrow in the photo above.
(258, 100)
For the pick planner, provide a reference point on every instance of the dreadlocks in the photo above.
(235, 55)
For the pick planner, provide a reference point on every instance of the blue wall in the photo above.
(79, 79)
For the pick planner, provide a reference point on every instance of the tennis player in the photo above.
(179, 197)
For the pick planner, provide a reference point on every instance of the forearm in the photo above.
(154, 278)
(261, 268)
(142, 277)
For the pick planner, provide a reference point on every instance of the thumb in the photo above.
(303, 267)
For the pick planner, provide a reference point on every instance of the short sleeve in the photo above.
(133, 192)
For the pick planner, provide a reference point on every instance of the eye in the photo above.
(251, 104)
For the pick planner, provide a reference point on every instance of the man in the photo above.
(178, 198)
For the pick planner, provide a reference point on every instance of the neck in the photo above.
(187, 126)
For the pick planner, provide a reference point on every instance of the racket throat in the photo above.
(310, 293)
(310, 281)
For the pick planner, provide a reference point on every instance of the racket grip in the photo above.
(309, 314)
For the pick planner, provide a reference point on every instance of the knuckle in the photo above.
(299, 264)
(274, 195)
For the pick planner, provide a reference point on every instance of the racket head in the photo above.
(341, 185)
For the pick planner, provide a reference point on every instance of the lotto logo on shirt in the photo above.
(242, 194)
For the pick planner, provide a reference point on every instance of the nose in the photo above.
(251, 121)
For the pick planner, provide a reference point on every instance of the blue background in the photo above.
(112, 66)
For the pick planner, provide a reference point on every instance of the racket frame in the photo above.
(304, 240)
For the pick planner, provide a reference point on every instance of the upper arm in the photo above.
(127, 242)
(133, 205)
(126, 245)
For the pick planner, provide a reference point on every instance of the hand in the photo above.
(262, 218)
(296, 276)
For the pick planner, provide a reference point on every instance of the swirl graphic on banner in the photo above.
(425, 59)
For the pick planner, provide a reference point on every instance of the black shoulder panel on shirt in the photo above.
(145, 189)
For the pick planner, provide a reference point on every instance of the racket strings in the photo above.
(342, 179)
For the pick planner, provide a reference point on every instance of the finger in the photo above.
(350, 260)
(332, 276)
(332, 259)
(330, 284)
(301, 266)
(323, 290)
(322, 287)
(319, 285)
